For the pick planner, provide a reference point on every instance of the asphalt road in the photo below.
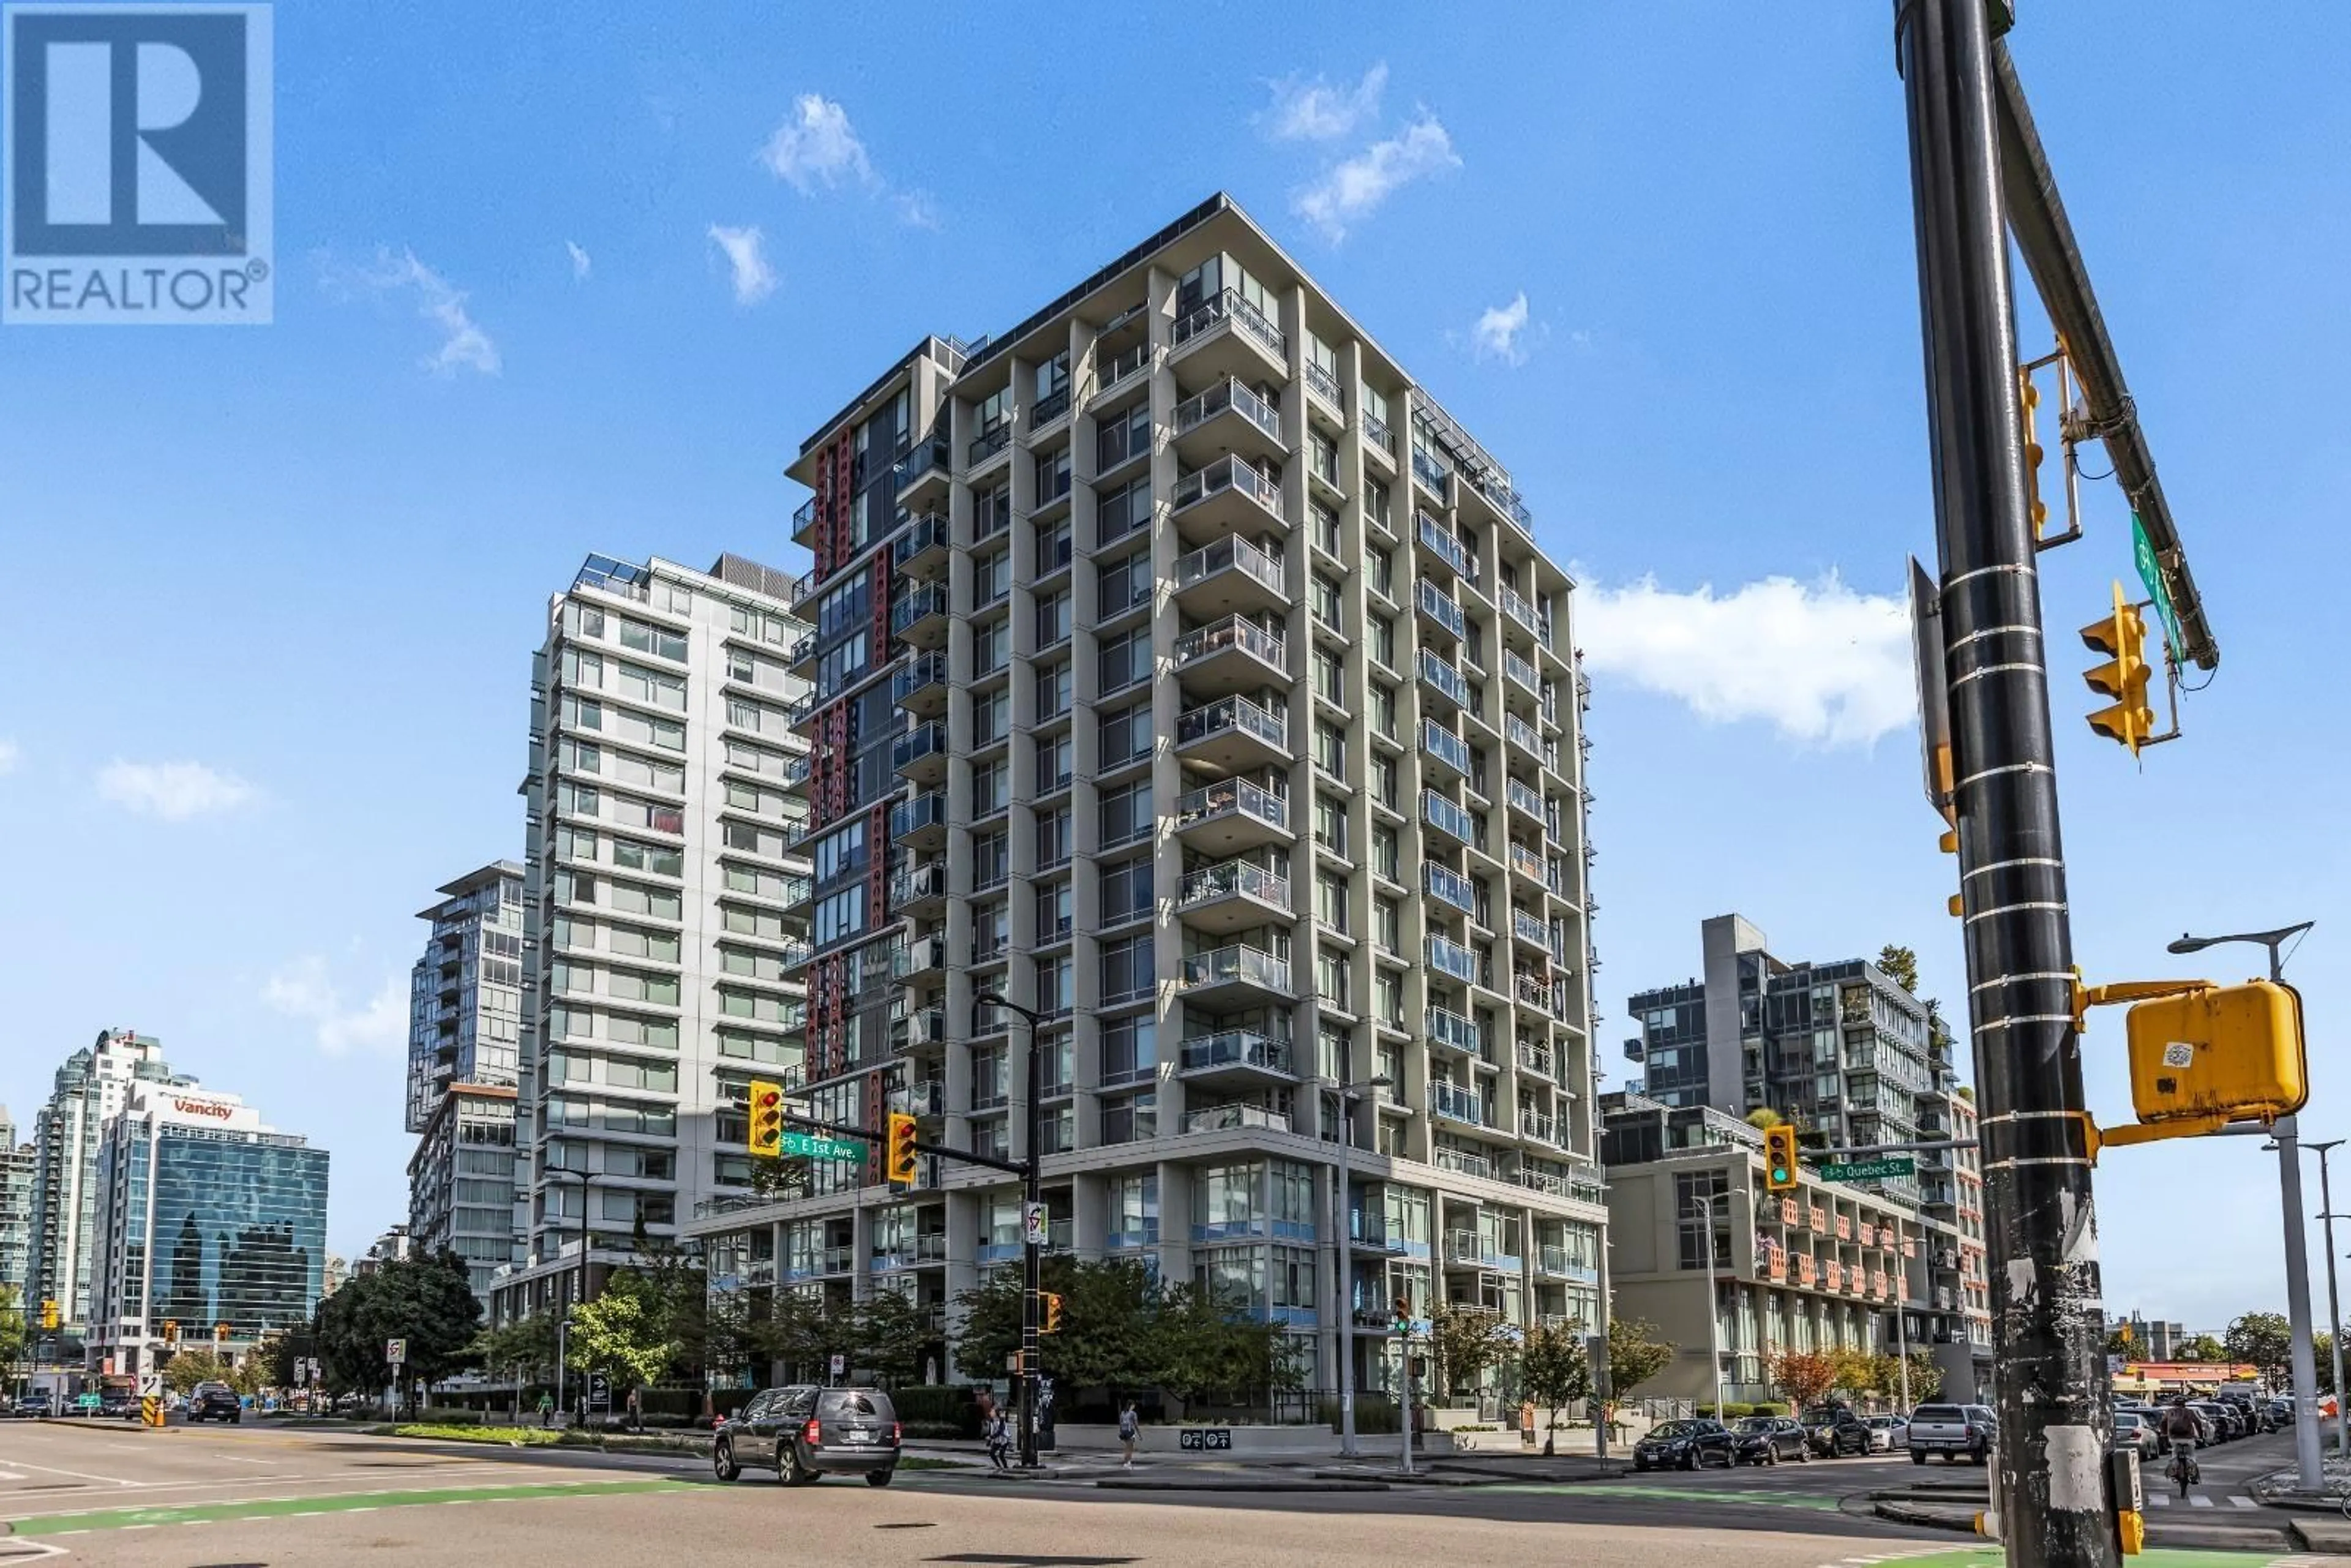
(213, 1496)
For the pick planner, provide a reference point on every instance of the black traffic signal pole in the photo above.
(2041, 1227)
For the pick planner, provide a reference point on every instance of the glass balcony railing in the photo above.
(1444, 677)
(1325, 385)
(1439, 607)
(930, 670)
(923, 740)
(1520, 609)
(929, 532)
(1237, 1048)
(1441, 541)
(1234, 879)
(1233, 715)
(1527, 799)
(1237, 964)
(1448, 1027)
(1118, 367)
(1428, 470)
(918, 882)
(1518, 670)
(1462, 1162)
(928, 456)
(1536, 1058)
(1535, 991)
(1228, 305)
(1457, 1103)
(1451, 959)
(988, 443)
(1540, 1127)
(1232, 795)
(1375, 434)
(1050, 407)
(1527, 862)
(1446, 817)
(1235, 632)
(1529, 927)
(1228, 394)
(1450, 886)
(1443, 743)
(1231, 552)
(927, 810)
(1227, 473)
(1526, 737)
(1226, 1118)
(919, 605)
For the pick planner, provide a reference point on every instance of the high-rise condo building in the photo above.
(464, 1055)
(662, 826)
(89, 1089)
(16, 1162)
(1184, 673)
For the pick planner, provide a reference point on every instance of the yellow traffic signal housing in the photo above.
(2037, 508)
(899, 1162)
(2229, 1052)
(2122, 637)
(766, 1135)
(48, 1312)
(1049, 1315)
(1780, 1157)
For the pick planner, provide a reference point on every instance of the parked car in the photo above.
(2133, 1430)
(214, 1401)
(119, 1403)
(1677, 1445)
(1887, 1433)
(30, 1405)
(1768, 1439)
(803, 1432)
(1835, 1429)
(2228, 1425)
(1953, 1431)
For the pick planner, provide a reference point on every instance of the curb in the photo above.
(1924, 1519)
(1239, 1484)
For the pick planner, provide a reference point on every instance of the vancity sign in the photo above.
(214, 1108)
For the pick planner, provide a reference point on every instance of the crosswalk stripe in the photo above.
(2242, 1503)
(2157, 1500)
(2200, 1501)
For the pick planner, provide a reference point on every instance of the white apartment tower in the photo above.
(1184, 672)
(89, 1093)
(660, 827)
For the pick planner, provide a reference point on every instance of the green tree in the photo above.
(623, 1332)
(1902, 964)
(2265, 1339)
(1763, 1118)
(2321, 1346)
(1555, 1372)
(1464, 1341)
(1804, 1375)
(1926, 1376)
(891, 1332)
(190, 1367)
(528, 1344)
(1635, 1354)
(1858, 1371)
(427, 1302)
(1205, 1346)
(13, 1332)
(2203, 1347)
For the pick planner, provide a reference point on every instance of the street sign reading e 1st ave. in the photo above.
(2150, 576)
(817, 1147)
(1884, 1169)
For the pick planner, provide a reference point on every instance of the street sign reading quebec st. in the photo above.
(817, 1147)
(1884, 1169)
(2150, 575)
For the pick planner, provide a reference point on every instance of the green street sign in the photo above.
(2150, 576)
(817, 1147)
(1884, 1169)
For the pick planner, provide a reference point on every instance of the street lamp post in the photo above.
(563, 1322)
(1341, 1205)
(1032, 1260)
(1713, 1301)
(2334, 1303)
(2297, 1257)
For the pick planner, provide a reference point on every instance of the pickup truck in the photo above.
(1953, 1431)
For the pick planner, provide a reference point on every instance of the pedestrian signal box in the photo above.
(2234, 1052)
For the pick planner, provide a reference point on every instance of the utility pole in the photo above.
(2041, 1225)
(1032, 1253)
(1713, 1303)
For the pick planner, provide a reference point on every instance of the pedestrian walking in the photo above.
(546, 1408)
(999, 1441)
(636, 1413)
(1130, 1428)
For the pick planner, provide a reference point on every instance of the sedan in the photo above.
(1768, 1439)
(1888, 1434)
(1678, 1445)
(2133, 1430)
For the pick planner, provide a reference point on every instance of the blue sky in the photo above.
(275, 591)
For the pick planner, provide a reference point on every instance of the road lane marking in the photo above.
(78, 1475)
(314, 1507)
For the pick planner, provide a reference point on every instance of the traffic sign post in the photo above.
(395, 1350)
(1889, 1168)
(816, 1147)
(2150, 576)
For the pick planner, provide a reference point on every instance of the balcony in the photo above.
(1112, 373)
(922, 551)
(920, 891)
(1050, 407)
(1226, 496)
(919, 755)
(928, 1098)
(1228, 418)
(1145, 1234)
(1527, 738)
(923, 1027)
(1234, 655)
(1445, 551)
(1442, 680)
(1233, 896)
(1230, 816)
(1431, 473)
(1453, 960)
(1437, 606)
(1522, 675)
(1528, 863)
(920, 618)
(1536, 1059)
(1530, 929)
(1234, 735)
(912, 1253)
(921, 822)
(1518, 609)
(1539, 1126)
(1441, 747)
(921, 475)
(1231, 576)
(1451, 887)
(1237, 1056)
(1236, 976)
(1447, 818)
(804, 521)
(1379, 438)
(921, 687)
(1534, 991)
(1461, 1162)
(1229, 1118)
(927, 960)
(1227, 336)
(987, 444)
(1527, 801)
(1451, 1030)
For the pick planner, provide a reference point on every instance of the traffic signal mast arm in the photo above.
(881, 1136)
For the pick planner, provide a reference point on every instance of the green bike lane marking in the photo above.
(2153, 1557)
(340, 1502)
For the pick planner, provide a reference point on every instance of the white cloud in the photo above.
(1314, 110)
(1354, 189)
(302, 990)
(746, 255)
(11, 756)
(1496, 335)
(464, 344)
(916, 210)
(581, 265)
(1822, 664)
(174, 791)
(818, 145)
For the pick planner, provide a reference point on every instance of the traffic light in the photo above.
(48, 1312)
(2035, 508)
(2229, 1051)
(766, 1135)
(171, 1331)
(2122, 637)
(220, 1333)
(1780, 1157)
(1049, 1311)
(1403, 1314)
(899, 1162)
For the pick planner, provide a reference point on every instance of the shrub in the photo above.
(435, 1416)
(941, 1410)
(1768, 1408)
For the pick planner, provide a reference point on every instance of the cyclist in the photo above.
(2180, 1429)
